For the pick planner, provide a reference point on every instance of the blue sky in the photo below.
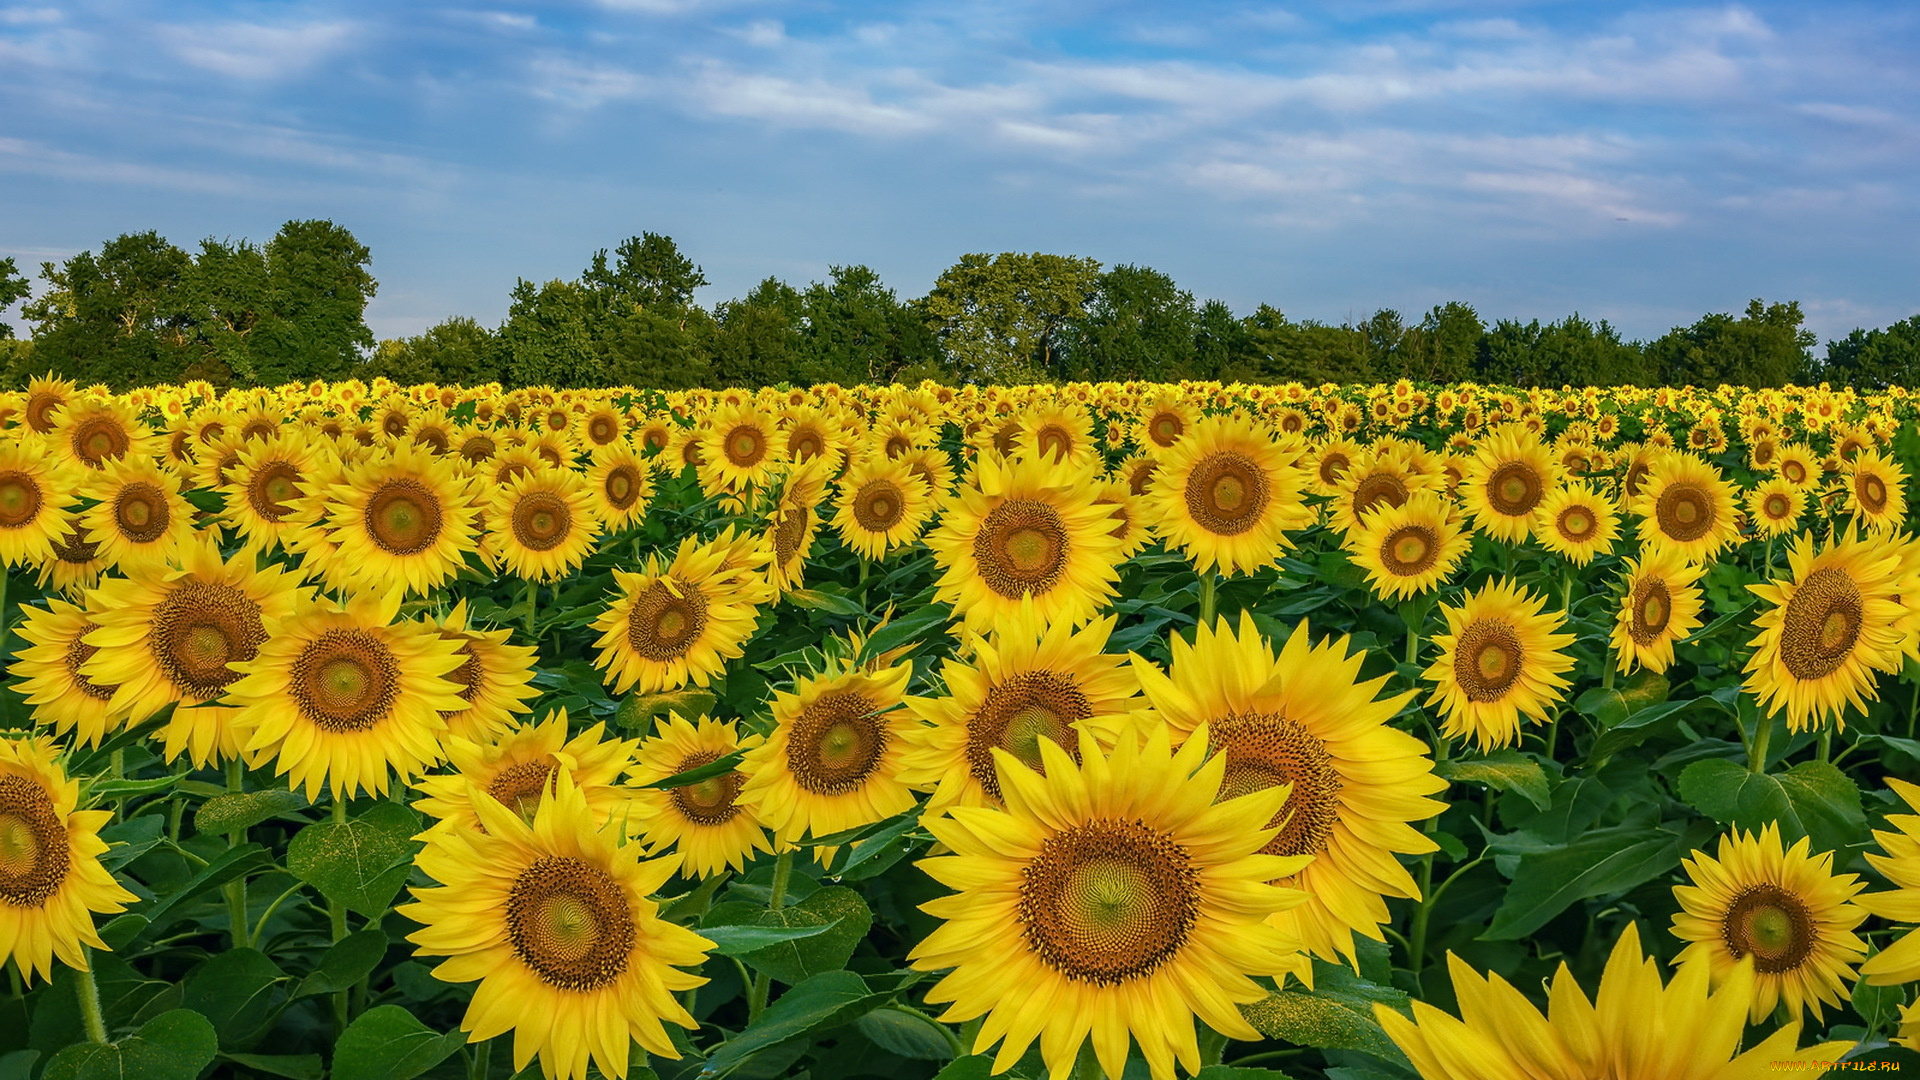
(1643, 164)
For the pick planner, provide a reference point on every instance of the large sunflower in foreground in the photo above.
(705, 821)
(1508, 478)
(834, 758)
(49, 674)
(1024, 529)
(519, 766)
(1113, 897)
(677, 623)
(1826, 629)
(1899, 961)
(1661, 607)
(402, 517)
(37, 501)
(1634, 1029)
(494, 679)
(1226, 494)
(1408, 549)
(1501, 658)
(1305, 720)
(553, 920)
(1786, 909)
(51, 880)
(342, 695)
(1686, 504)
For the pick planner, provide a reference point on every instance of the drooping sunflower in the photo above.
(403, 516)
(740, 449)
(541, 525)
(1508, 478)
(1827, 628)
(1112, 898)
(519, 766)
(51, 880)
(1305, 720)
(1409, 549)
(49, 673)
(74, 566)
(1876, 491)
(1661, 606)
(1226, 494)
(1687, 504)
(676, 623)
(793, 524)
(343, 694)
(139, 519)
(1577, 523)
(881, 506)
(1775, 506)
(834, 758)
(494, 679)
(1500, 659)
(554, 922)
(1024, 529)
(1899, 861)
(38, 496)
(1785, 908)
(705, 821)
(1634, 1029)
(620, 484)
(268, 483)
(1029, 681)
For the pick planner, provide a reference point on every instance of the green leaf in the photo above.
(345, 963)
(1505, 770)
(980, 1067)
(175, 1045)
(231, 864)
(1878, 1006)
(131, 839)
(824, 1001)
(878, 841)
(291, 1066)
(637, 711)
(125, 789)
(838, 909)
(240, 991)
(915, 627)
(243, 810)
(1337, 1014)
(387, 1043)
(1600, 862)
(817, 600)
(1638, 726)
(739, 940)
(907, 1032)
(1234, 1072)
(18, 1065)
(360, 862)
(1610, 705)
(720, 766)
(1812, 799)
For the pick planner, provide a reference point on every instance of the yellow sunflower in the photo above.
(46, 395)
(1899, 962)
(494, 679)
(794, 523)
(676, 623)
(814, 434)
(1409, 549)
(1876, 491)
(1687, 504)
(738, 450)
(95, 430)
(1329, 461)
(268, 482)
(49, 676)
(1226, 494)
(1509, 476)
(881, 506)
(38, 496)
(1163, 419)
(1124, 514)
(518, 766)
(1058, 434)
(621, 485)
(1661, 607)
(705, 821)
(1380, 477)
(1784, 908)
(1500, 659)
(1112, 898)
(138, 519)
(1826, 629)
(1798, 465)
(554, 922)
(1304, 720)
(1576, 522)
(51, 880)
(1775, 506)
(74, 566)
(402, 517)
(541, 525)
(341, 695)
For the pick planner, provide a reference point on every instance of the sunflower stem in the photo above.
(260, 928)
(1607, 665)
(1757, 753)
(533, 593)
(1209, 582)
(1913, 709)
(1826, 745)
(1086, 1066)
(237, 888)
(1566, 590)
(782, 872)
(89, 995)
(337, 924)
(482, 1060)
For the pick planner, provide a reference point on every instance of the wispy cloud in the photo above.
(245, 50)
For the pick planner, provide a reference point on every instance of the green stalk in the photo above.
(337, 924)
(1757, 754)
(481, 1060)
(1413, 633)
(236, 889)
(89, 996)
(1607, 666)
(1826, 745)
(782, 873)
(1566, 591)
(533, 591)
(1208, 600)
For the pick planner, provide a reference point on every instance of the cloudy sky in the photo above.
(1644, 164)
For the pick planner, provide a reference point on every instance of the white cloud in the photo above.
(29, 16)
(255, 51)
(582, 84)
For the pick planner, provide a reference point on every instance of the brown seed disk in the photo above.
(34, 853)
(1684, 511)
(99, 438)
(20, 499)
(1108, 901)
(403, 517)
(271, 487)
(71, 549)
(345, 680)
(1022, 548)
(622, 487)
(78, 653)
(1265, 750)
(1487, 659)
(1515, 488)
(1651, 608)
(1227, 493)
(541, 521)
(198, 630)
(1410, 550)
(1821, 624)
(879, 505)
(571, 923)
(1376, 490)
(711, 801)
(745, 445)
(519, 787)
(469, 677)
(1871, 491)
(789, 532)
(602, 430)
(805, 444)
(1773, 925)
(1576, 524)
(662, 626)
(479, 448)
(1165, 428)
(141, 513)
(1016, 714)
(836, 743)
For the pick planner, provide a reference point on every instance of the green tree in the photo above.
(1000, 317)
(1138, 325)
(1767, 346)
(548, 338)
(652, 348)
(647, 271)
(456, 351)
(317, 288)
(118, 318)
(1571, 352)
(1876, 359)
(756, 339)
(855, 330)
(1444, 347)
(13, 289)
(1223, 346)
(1308, 352)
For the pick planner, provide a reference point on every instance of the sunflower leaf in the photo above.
(739, 940)
(637, 711)
(1503, 770)
(719, 766)
(840, 914)
(1600, 862)
(241, 991)
(1812, 799)
(1337, 1014)
(387, 1043)
(235, 811)
(823, 1001)
(175, 1045)
(360, 862)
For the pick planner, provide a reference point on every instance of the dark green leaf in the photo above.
(877, 842)
(838, 908)
(18, 1065)
(360, 862)
(637, 711)
(824, 1001)
(817, 600)
(1505, 770)
(240, 990)
(1337, 1014)
(131, 839)
(231, 864)
(720, 766)
(1234, 1072)
(243, 810)
(1637, 726)
(291, 1066)
(1812, 799)
(125, 789)
(907, 1032)
(345, 963)
(175, 1045)
(914, 627)
(1600, 862)
(739, 940)
(387, 1043)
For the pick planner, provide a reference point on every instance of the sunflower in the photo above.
(518, 766)
(600, 426)
(1686, 504)
(1827, 628)
(1508, 478)
(1113, 897)
(676, 623)
(1876, 491)
(1899, 962)
(494, 679)
(1500, 659)
(793, 523)
(74, 566)
(739, 450)
(1226, 494)
(51, 880)
(1661, 606)
(1024, 529)
(705, 821)
(1634, 1029)
(38, 497)
(138, 519)
(814, 434)
(402, 517)
(1029, 681)
(1058, 434)
(930, 465)
(1798, 465)
(881, 506)
(270, 479)
(49, 673)
(553, 920)
(343, 694)
(1306, 721)
(1409, 549)
(1124, 510)
(1775, 506)
(1164, 419)
(1786, 909)
(620, 485)
(1380, 477)
(46, 395)
(93, 431)
(541, 526)
(834, 759)
(1576, 522)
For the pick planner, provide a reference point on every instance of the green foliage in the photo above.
(1001, 316)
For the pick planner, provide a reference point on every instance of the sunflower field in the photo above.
(1095, 730)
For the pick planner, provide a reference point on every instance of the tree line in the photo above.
(234, 313)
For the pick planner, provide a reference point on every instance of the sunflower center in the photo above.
(198, 630)
(1576, 523)
(1016, 714)
(541, 521)
(1409, 550)
(1333, 465)
(602, 430)
(745, 446)
(710, 801)
(804, 445)
(40, 411)
(1108, 901)
(1022, 548)
(1487, 659)
(345, 681)
(837, 742)
(1777, 507)
(1378, 489)
(879, 506)
(662, 626)
(140, 512)
(1821, 624)
(434, 438)
(570, 923)
(98, 438)
(78, 653)
(403, 517)
(789, 532)
(519, 787)
(33, 844)
(622, 487)
(1166, 428)
(1652, 608)
(271, 488)
(478, 448)
(1053, 441)
(1773, 925)
(1227, 493)
(1684, 512)
(1265, 750)
(1872, 493)
(469, 676)
(20, 499)
(1795, 471)
(73, 550)
(1141, 477)
(1514, 488)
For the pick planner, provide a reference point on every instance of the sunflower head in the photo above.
(1502, 658)
(1827, 629)
(1226, 494)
